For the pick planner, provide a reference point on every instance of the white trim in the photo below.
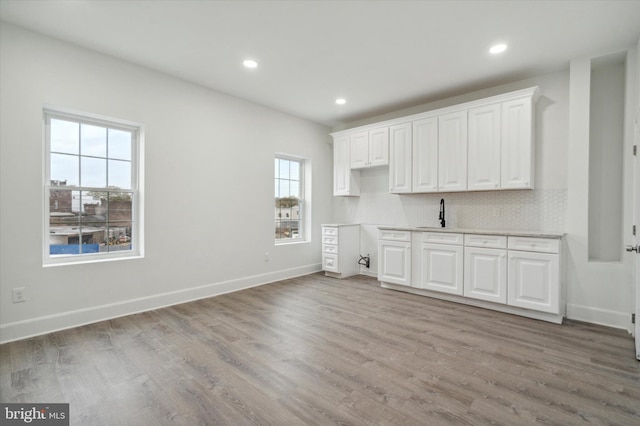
(137, 185)
(304, 214)
(600, 316)
(47, 324)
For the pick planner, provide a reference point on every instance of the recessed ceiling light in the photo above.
(250, 63)
(498, 48)
(341, 101)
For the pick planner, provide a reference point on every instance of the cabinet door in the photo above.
(379, 147)
(359, 150)
(485, 274)
(452, 152)
(344, 181)
(442, 268)
(517, 144)
(394, 262)
(400, 158)
(484, 148)
(534, 281)
(425, 155)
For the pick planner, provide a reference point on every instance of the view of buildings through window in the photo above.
(289, 198)
(91, 186)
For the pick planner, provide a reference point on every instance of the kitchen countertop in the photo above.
(514, 233)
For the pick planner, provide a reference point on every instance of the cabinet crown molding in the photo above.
(532, 92)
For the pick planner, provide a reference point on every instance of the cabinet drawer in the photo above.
(330, 230)
(329, 262)
(543, 245)
(489, 241)
(394, 235)
(328, 248)
(443, 238)
(329, 240)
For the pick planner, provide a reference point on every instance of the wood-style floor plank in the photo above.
(316, 350)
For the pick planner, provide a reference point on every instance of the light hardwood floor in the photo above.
(315, 351)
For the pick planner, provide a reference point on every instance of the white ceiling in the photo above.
(379, 55)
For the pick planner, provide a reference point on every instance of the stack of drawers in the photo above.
(340, 245)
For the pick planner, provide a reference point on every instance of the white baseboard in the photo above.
(599, 316)
(37, 326)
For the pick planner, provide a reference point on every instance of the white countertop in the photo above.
(475, 231)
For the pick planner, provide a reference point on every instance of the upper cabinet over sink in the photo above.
(484, 145)
(369, 148)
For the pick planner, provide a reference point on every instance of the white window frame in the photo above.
(305, 216)
(137, 185)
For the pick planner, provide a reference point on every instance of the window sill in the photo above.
(65, 261)
(289, 243)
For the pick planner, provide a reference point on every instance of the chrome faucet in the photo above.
(441, 217)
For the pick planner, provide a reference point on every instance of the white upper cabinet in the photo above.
(452, 152)
(425, 155)
(359, 150)
(484, 148)
(369, 148)
(483, 145)
(517, 144)
(379, 147)
(400, 158)
(345, 182)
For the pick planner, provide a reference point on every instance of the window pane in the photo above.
(294, 170)
(295, 189)
(93, 140)
(120, 207)
(120, 144)
(64, 136)
(64, 223)
(94, 205)
(64, 169)
(120, 214)
(93, 236)
(284, 169)
(119, 174)
(277, 168)
(277, 189)
(284, 187)
(119, 236)
(94, 222)
(94, 172)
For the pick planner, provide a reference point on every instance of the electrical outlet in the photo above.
(19, 295)
(266, 256)
(496, 211)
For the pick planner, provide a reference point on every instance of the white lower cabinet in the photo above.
(485, 267)
(394, 257)
(485, 274)
(517, 274)
(442, 266)
(340, 250)
(534, 281)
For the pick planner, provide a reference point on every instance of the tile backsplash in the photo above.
(527, 210)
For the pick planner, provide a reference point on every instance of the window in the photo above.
(92, 199)
(289, 199)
